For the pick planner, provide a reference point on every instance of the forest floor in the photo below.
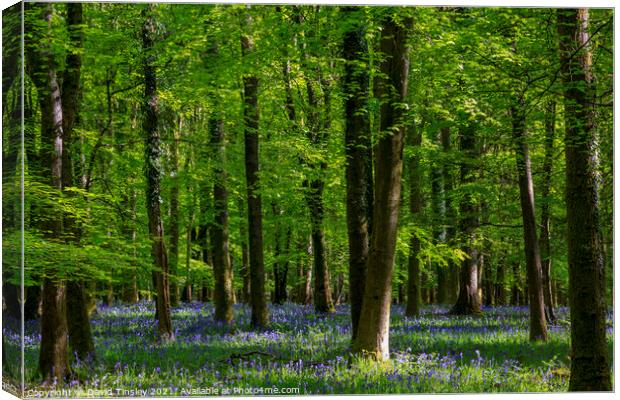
(305, 353)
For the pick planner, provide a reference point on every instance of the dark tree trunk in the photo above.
(589, 359)
(439, 213)
(373, 330)
(359, 160)
(173, 224)
(515, 291)
(222, 270)
(450, 216)
(538, 325)
(314, 187)
(414, 282)
(545, 247)
(260, 313)
(322, 296)
(53, 363)
(80, 338)
(468, 301)
(245, 265)
(280, 268)
(152, 169)
(500, 283)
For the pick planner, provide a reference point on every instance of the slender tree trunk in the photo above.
(515, 292)
(314, 187)
(500, 282)
(173, 224)
(373, 329)
(545, 247)
(538, 325)
(153, 176)
(260, 313)
(359, 160)
(245, 265)
(439, 232)
(468, 301)
(586, 273)
(223, 290)
(414, 282)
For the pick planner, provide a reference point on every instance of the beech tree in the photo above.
(373, 328)
(260, 314)
(589, 363)
(152, 170)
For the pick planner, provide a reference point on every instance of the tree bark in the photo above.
(590, 363)
(452, 273)
(438, 206)
(538, 325)
(373, 330)
(414, 282)
(544, 240)
(468, 301)
(153, 172)
(359, 161)
(53, 363)
(223, 290)
(260, 313)
(245, 265)
(173, 224)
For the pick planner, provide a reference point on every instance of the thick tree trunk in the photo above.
(222, 270)
(452, 273)
(153, 172)
(545, 245)
(538, 325)
(359, 160)
(468, 301)
(414, 282)
(53, 363)
(373, 330)
(80, 338)
(590, 363)
(260, 313)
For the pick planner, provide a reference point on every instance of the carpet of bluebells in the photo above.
(434, 353)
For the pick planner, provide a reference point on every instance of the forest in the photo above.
(217, 199)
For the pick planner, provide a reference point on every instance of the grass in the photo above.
(433, 353)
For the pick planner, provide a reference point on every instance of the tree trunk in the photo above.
(153, 176)
(538, 325)
(468, 301)
(359, 160)
(590, 363)
(245, 267)
(545, 247)
(373, 330)
(414, 282)
(515, 295)
(452, 273)
(222, 270)
(53, 363)
(80, 338)
(500, 284)
(173, 224)
(439, 213)
(260, 313)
